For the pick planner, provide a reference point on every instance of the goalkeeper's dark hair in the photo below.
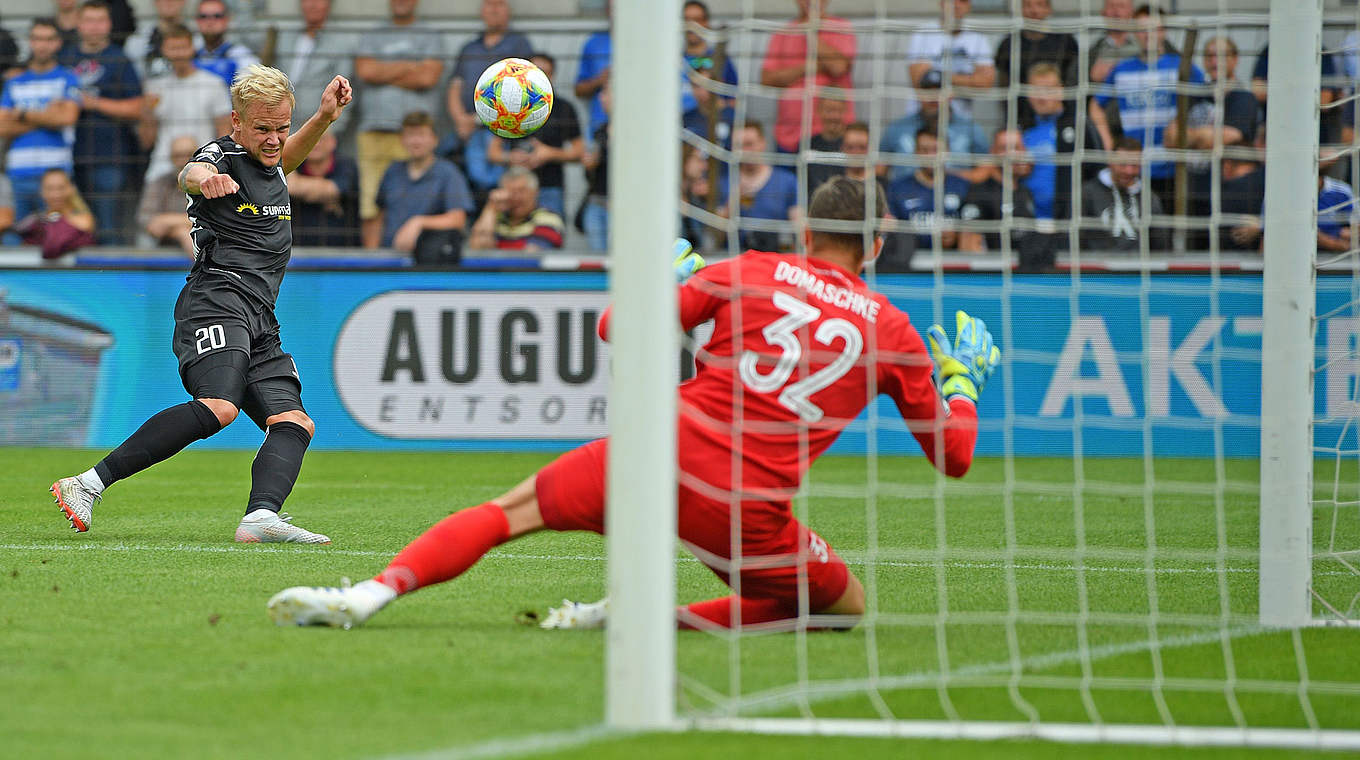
(841, 199)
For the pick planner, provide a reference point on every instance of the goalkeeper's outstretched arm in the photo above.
(946, 431)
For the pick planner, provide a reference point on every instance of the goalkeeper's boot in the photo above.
(577, 615)
(264, 526)
(76, 501)
(343, 607)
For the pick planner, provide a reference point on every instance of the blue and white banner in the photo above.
(1107, 364)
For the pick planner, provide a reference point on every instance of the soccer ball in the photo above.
(513, 97)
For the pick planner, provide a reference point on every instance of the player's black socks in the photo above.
(276, 466)
(162, 436)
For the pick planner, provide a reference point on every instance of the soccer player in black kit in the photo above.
(226, 337)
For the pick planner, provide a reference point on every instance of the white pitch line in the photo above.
(515, 746)
(296, 550)
(851, 559)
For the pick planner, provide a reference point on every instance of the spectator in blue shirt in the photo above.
(1146, 95)
(495, 43)
(111, 103)
(1041, 137)
(697, 102)
(593, 72)
(912, 198)
(964, 134)
(220, 55)
(38, 110)
(1336, 213)
(423, 195)
(764, 192)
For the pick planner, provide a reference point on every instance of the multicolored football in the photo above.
(513, 97)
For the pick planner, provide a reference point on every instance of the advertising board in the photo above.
(497, 361)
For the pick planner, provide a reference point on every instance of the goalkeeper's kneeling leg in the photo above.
(771, 588)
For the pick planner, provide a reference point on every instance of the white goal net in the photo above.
(1166, 498)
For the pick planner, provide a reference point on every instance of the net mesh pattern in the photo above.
(1100, 565)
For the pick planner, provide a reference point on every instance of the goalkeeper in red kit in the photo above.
(800, 347)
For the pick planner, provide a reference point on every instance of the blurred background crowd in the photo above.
(1010, 130)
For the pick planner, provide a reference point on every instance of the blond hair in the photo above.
(76, 202)
(260, 84)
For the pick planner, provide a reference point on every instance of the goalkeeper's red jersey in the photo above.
(800, 347)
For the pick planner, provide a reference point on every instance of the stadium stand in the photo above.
(560, 27)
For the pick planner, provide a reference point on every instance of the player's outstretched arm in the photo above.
(334, 98)
(947, 432)
(685, 263)
(202, 178)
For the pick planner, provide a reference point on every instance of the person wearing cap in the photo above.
(963, 134)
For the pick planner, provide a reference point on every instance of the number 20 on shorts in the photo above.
(209, 338)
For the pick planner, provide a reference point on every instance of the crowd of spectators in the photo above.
(114, 106)
(1007, 181)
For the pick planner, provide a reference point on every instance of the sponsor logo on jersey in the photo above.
(283, 211)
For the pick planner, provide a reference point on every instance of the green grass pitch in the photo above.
(147, 637)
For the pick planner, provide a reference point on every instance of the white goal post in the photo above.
(1289, 284)
(640, 521)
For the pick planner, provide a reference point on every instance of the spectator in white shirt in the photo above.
(186, 101)
(962, 57)
(144, 46)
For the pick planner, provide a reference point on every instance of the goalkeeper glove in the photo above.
(686, 262)
(964, 369)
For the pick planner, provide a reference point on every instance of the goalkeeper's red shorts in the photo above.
(775, 547)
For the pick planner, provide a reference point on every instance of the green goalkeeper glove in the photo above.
(963, 370)
(686, 262)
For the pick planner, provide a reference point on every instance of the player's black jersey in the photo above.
(245, 238)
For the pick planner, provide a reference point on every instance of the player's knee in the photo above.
(224, 410)
(296, 417)
(851, 601)
(520, 505)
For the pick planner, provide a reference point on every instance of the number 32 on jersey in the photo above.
(782, 334)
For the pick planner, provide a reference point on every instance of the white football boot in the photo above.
(578, 616)
(76, 501)
(343, 607)
(268, 527)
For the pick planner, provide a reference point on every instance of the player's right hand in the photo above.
(686, 261)
(217, 186)
(963, 369)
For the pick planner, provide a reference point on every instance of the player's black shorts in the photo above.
(229, 348)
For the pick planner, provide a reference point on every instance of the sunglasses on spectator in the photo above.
(206, 16)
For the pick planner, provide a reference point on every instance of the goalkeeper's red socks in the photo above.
(722, 612)
(447, 549)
